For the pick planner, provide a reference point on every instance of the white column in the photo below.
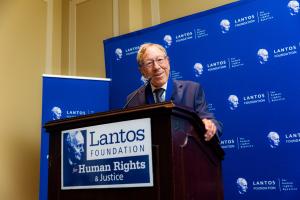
(116, 30)
(49, 37)
(155, 14)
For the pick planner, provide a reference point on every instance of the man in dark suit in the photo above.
(154, 65)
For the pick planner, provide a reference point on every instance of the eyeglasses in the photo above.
(150, 63)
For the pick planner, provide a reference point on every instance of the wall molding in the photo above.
(72, 35)
(72, 38)
(49, 37)
(155, 13)
(116, 22)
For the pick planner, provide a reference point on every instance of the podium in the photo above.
(185, 167)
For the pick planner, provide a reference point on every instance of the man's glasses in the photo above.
(150, 63)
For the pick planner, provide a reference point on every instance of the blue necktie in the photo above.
(158, 94)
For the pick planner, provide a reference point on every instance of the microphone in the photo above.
(147, 82)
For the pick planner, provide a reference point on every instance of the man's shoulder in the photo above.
(186, 83)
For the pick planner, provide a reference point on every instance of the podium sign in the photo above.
(112, 152)
(113, 155)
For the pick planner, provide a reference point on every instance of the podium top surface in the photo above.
(169, 107)
(165, 108)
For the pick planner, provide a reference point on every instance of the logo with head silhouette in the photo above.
(56, 113)
(233, 102)
(273, 139)
(293, 7)
(167, 41)
(74, 141)
(263, 56)
(119, 54)
(225, 26)
(198, 69)
(241, 185)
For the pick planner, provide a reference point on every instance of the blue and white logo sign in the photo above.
(242, 185)
(233, 102)
(263, 56)
(167, 41)
(285, 51)
(274, 139)
(198, 69)
(292, 138)
(225, 26)
(75, 143)
(119, 54)
(293, 7)
(111, 155)
(56, 113)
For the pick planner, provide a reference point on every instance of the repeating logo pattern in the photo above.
(225, 26)
(246, 58)
(293, 7)
(261, 185)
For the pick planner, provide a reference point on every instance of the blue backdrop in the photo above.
(247, 59)
(65, 97)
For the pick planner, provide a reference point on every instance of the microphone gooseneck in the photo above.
(147, 82)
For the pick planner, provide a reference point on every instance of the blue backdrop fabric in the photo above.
(65, 97)
(246, 56)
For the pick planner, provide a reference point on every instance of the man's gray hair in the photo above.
(143, 49)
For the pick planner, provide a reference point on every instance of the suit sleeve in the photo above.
(202, 110)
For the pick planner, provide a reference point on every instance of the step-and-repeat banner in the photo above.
(246, 56)
(65, 97)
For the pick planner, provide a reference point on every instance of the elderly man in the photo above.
(155, 66)
(75, 142)
(274, 139)
(263, 56)
(225, 25)
(119, 53)
(198, 69)
(233, 101)
(294, 7)
(168, 40)
(242, 185)
(56, 113)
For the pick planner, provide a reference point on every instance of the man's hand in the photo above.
(211, 129)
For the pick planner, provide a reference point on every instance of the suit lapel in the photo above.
(177, 93)
(149, 98)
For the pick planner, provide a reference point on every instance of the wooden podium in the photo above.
(185, 167)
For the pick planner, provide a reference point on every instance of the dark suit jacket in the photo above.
(185, 93)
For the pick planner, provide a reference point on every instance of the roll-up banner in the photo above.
(65, 97)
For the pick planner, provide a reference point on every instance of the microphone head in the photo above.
(148, 80)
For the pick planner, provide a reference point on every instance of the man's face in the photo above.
(275, 139)
(198, 68)
(119, 53)
(226, 25)
(295, 7)
(77, 147)
(234, 101)
(265, 56)
(243, 186)
(155, 65)
(168, 40)
(57, 114)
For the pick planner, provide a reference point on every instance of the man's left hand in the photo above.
(211, 129)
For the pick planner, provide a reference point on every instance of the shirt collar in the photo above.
(164, 87)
